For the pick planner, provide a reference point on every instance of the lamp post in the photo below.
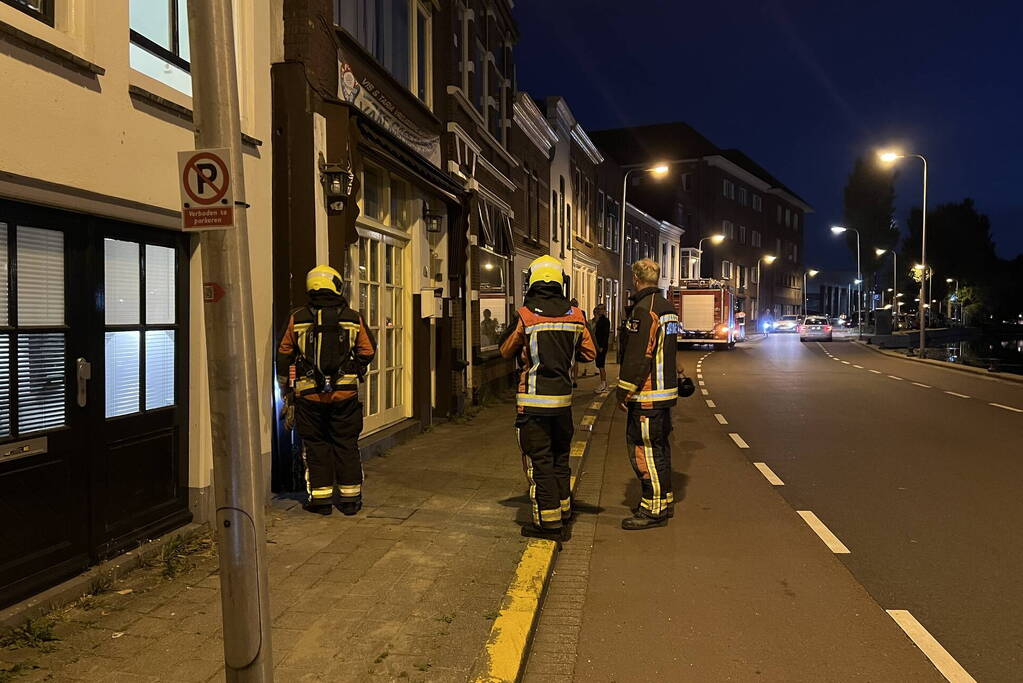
(895, 277)
(950, 280)
(890, 158)
(838, 230)
(714, 239)
(811, 273)
(756, 311)
(659, 170)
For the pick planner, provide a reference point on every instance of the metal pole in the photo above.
(621, 242)
(235, 394)
(859, 287)
(756, 308)
(923, 262)
(804, 293)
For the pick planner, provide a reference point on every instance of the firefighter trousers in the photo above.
(545, 442)
(330, 437)
(648, 436)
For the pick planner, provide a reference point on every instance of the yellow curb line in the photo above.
(504, 655)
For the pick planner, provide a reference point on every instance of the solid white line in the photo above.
(920, 384)
(830, 540)
(939, 656)
(738, 440)
(1003, 407)
(768, 474)
(952, 393)
(721, 418)
(894, 377)
(876, 372)
(705, 392)
(858, 367)
(711, 404)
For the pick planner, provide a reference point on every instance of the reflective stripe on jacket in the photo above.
(650, 339)
(547, 347)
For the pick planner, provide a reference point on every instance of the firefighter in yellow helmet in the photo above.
(548, 335)
(321, 359)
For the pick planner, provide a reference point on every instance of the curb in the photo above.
(78, 586)
(504, 655)
(986, 374)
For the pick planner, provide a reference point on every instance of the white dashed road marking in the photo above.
(894, 377)
(921, 384)
(702, 383)
(705, 392)
(952, 393)
(876, 372)
(711, 404)
(939, 656)
(1004, 407)
(768, 474)
(738, 440)
(830, 540)
(858, 367)
(720, 418)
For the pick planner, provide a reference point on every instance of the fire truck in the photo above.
(706, 313)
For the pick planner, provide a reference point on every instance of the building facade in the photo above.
(642, 240)
(710, 191)
(105, 429)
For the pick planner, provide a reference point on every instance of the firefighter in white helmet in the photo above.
(321, 359)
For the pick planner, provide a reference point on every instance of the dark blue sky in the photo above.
(803, 87)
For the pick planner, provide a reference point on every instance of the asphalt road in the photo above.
(915, 469)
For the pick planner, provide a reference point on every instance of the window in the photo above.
(795, 253)
(40, 9)
(385, 28)
(788, 217)
(687, 182)
(795, 221)
(777, 247)
(601, 210)
(728, 189)
(673, 271)
(742, 234)
(479, 71)
(755, 238)
(758, 203)
(554, 215)
(422, 39)
(729, 229)
(386, 198)
(742, 196)
(779, 213)
(159, 41)
(664, 255)
(140, 326)
(726, 270)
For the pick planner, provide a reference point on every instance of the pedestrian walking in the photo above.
(578, 366)
(601, 337)
(647, 390)
(322, 357)
(548, 335)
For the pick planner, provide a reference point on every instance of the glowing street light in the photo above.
(890, 157)
(714, 239)
(811, 273)
(838, 230)
(658, 170)
(769, 259)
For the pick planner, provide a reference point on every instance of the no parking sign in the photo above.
(207, 200)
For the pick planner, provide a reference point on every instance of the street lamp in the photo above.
(895, 273)
(838, 230)
(714, 239)
(950, 280)
(890, 157)
(658, 170)
(769, 258)
(811, 273)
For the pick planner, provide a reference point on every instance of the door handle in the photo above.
(84, 368)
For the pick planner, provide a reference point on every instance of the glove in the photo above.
(686, 387)
(288, 412)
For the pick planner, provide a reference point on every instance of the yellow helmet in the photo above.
(323, 277)
(546, 269)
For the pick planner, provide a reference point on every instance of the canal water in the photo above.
(1004, 351)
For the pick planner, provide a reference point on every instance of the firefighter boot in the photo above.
(642, 520)
(317, 509)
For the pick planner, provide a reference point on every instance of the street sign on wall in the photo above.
(207, 200)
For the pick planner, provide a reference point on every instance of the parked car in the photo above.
(814, 328)
(786, 323)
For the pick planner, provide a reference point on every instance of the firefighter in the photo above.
(647, 390)
(548, 335)
(321, 359)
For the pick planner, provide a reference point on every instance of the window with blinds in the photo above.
(33, 333)
(140, 326)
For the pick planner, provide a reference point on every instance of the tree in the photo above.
(869, 207)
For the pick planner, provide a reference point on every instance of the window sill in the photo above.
(138, 93)
(34, 43)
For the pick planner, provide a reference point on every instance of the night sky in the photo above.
(803, 87)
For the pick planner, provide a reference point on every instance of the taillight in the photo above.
(801, 329)
(827, 328)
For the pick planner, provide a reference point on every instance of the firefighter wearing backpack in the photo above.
(321, 359)
(548, 336)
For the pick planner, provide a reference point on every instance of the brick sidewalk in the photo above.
(407, 590)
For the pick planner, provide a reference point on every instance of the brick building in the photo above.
(710, 191)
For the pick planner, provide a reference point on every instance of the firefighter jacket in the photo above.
(325, 350)
(647, 376)
(547, 334)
